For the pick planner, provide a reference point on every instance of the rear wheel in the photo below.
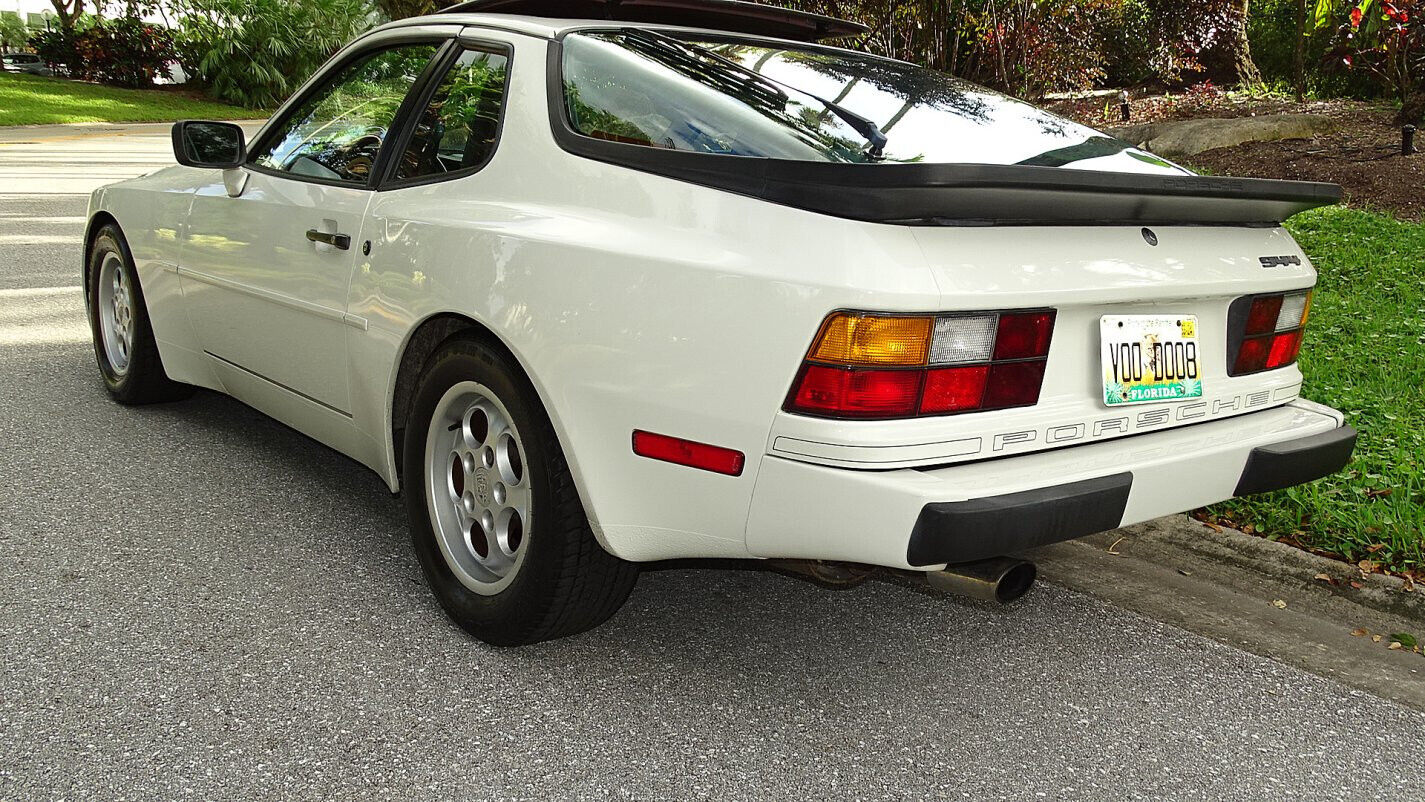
(123, 340)
(495, 519)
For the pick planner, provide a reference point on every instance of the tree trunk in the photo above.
(1228, 60)
(68, 11)
(1298, 60)
(1241, 47)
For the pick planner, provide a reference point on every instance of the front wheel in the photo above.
(118, 318)
(495, 519)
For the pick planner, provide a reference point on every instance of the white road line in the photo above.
(39, 239)
(39, 292)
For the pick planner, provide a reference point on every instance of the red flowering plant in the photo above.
(1386, 40)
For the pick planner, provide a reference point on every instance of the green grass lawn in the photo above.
(1364, 355)
(32, 100)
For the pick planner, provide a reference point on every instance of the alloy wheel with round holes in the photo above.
(118, 318)
(479, 491)
(496, 522)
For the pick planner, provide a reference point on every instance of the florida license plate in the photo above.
(1149, 358)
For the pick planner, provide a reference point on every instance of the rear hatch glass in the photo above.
(739, 97)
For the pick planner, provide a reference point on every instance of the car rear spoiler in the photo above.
(974, 194)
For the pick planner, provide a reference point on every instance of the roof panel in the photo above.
(725, 15)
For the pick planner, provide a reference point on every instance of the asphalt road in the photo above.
(196, 602)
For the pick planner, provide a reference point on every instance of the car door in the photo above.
(265, 270)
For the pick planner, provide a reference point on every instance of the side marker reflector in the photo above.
(687, 452)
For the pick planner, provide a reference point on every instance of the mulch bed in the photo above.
(1362, 154)
(1363, 157)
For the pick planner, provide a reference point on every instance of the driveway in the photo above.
(197, 602)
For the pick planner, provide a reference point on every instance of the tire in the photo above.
(118, 320)
(483, 468)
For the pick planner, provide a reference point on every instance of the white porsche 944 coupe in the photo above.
(673, 280)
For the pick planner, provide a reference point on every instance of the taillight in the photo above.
(901, 366)
(1266, 331)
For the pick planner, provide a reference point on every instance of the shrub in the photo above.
(59, 48)
(256, 52)
(1030, 48)
(125, 50)
(1385, 39)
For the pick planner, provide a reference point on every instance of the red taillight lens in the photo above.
(1014, 384)
(954, 389)
(1284, 349)
(973, 362)
(1269, 332)
(1024, 335)
(687, 452)
(1253, 355)
(1262, 317)
(857, 393)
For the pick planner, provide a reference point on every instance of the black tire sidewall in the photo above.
(143, 352)
(506, 616)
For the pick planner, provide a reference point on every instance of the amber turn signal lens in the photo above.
(850, 339)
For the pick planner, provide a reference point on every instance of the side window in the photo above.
(457, 130)
(338, 131)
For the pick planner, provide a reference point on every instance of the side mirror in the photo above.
(199, 143)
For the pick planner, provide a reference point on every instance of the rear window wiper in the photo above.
(875, 138)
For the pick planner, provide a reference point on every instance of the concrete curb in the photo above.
(1253, 594)
(1381, 592)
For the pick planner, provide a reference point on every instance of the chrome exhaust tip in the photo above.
(998, 579)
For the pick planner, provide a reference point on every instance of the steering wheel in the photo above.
(360, 154)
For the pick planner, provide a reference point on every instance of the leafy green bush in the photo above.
(59, 48)
(1272, 30)
(1385, 40)
(125, 51)
(255, 53)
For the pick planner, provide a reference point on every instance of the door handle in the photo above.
(340, 241)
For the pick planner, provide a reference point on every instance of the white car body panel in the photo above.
(816, 512)
(635, 301)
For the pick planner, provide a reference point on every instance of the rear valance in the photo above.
(973, 194)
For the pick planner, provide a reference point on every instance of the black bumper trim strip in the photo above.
(964, 531)
(1296, 462)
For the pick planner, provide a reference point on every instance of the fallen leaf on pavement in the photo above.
(1280, 604)
(1404, 639)
(1324, 577)
(1395, 644)
(1359, 632)
(1375, 639)
(1210, 525)
(1357, 585)
(1367, 566)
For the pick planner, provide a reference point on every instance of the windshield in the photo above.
(745, 98)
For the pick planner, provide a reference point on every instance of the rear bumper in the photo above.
(926, 518)
(1296, 462)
